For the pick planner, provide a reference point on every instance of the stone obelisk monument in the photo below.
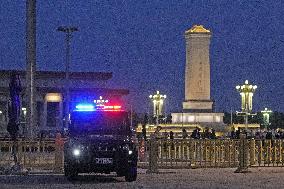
(197, 105)
(197, 70)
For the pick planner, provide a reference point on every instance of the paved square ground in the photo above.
(174, 178)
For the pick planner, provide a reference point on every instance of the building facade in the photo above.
(50, 98)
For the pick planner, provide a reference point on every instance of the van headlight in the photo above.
(76, 152)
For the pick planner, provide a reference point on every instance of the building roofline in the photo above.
(99, 91)
(61, 74)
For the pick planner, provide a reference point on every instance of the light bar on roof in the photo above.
(99, 107)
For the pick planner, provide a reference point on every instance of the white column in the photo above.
(44, 114)
(60, 117)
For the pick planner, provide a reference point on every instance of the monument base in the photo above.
(197, 117)
(198, 105)
(212, 120)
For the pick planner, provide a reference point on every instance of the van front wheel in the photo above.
(131, 174)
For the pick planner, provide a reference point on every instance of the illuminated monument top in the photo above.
(197, 29)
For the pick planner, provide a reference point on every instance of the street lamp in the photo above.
(246, 91)
(158, 102)
(30, 125)
(68, 30)
(266, 113)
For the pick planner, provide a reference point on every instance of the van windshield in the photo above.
(100, 122)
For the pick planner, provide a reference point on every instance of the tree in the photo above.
(276, 119)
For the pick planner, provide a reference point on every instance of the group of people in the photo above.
(206, 134)
(196, 134)
(258, 134)
(209, 133)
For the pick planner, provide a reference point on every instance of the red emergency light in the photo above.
(109, 108)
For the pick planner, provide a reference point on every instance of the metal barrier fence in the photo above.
(177, 153)
(40, 155)
(192, 153)
(266, 152)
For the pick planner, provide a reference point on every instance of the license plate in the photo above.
(104, 160)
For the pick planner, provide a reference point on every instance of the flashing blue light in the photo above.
(85, 107)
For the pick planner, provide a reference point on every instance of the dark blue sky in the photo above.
(142, 43)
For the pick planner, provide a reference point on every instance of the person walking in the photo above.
(157, 133)
(212, 134)
(171, 135)
(238, 132)
(184, 134)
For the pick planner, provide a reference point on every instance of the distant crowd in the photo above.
(258, 134)
(196, 134)
(209, 133)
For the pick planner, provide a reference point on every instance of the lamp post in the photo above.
(30, 125)
(266, 113)
(68, 31)
(158, 102)
(246, 91)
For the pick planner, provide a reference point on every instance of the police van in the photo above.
(100, 140)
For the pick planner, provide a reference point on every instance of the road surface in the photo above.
(174, 178)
